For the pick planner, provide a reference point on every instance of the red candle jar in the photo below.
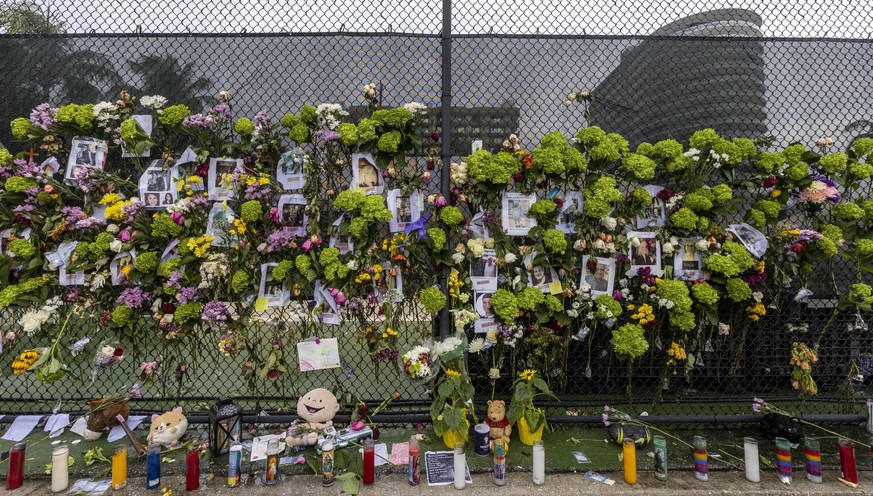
(15, 477)
(192, 472)
(847, 461)
(369, 462)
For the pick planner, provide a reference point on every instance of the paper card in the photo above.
(483, 272)
(117, 432)
(259, 446)
(381, 454)
(289, 170)
(753, 239)
(21, 427)
(343, 243)
(477, 225)
(146, 122)
(440, 468)
(261, 304)
(170, 251)
(79, 426)
(87, 487)
(56, 423)
(475, 146)
(400, 453)
(601, 280)
(157, 187)
(188, 156)
(219, 224)
(221, 171)
(65, 278)
(365, 174)
(318, 354)
(50, 166)
(581, 457)
(271, 290)
(292, 213)
(326, 309)
(85, 152)
(514, 213)
(647, 254)
(555, 288)
(687, 260)
(484, 325)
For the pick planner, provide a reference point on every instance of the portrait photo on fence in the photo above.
(157, 188)
(754, 240)
(218, 224)
(272, 292)
(483, 271)
(289, 171)
(573, 204)
(539, 275)
(292, 213)
(85, 152)
(365, 174)
(687, 260)
(644, 250)
(598, 275)
(221, 171)
(514, 212)
(405, 208)
(653, 215)
(482, 304)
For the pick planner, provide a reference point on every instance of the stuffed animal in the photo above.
(316, 410)
(168, 428)
(775, 425)
(99, 420)
(497, 421)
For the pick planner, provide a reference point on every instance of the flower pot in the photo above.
(450, 438)
(525, 435)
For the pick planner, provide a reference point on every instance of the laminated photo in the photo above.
(121, 265)
(687, 260)
(85, 152)
(655, 214)
(405, 209)
(477, 225)
(219, 223)
(344, 244)
(292, 214)
(483, 272)
(221, 171)
(273, 292)
(538, 275)
(326, 309)
(60, 257)
(146, 122)
(157, 186)
(289, 170)
(599, 278)
(516, 221)
(646, 253)
(365, 174)
(390, 285)
(753, 239)
(573, 203)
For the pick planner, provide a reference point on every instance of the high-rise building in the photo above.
(694, 73)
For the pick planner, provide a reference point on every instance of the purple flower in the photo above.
(43, 116)
(274, 214)
(131, 210)
(262, 119)
(135, 392)
(215, 311)
(221, 111)
(757, 403)
(617, 294)
(86, 177)
(186, 294)
(125, 235)
(133, 298)
(279, 240)
(178, 218)
(440, 201)
(27, 169)
(73, 214)
(307, 245)
(197, 122)
(605, 417)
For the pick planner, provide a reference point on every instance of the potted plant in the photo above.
(529, 419)
(453, 393)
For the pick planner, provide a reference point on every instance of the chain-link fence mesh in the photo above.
(795, 70)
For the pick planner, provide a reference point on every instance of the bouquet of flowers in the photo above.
(108, 354)
(419, 363)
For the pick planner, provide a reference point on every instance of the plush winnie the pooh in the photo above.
(497, 421)
(103, 417)
(316, 410)
(168, 428)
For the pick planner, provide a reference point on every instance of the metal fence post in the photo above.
(446, 147)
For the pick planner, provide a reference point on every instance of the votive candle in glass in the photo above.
(460, 466)
(539, 462)
(752, 462)
(629, 453)
(15, 476)
(369, 475)
(783, 460)
(660, 458)
(119, 467)
(701, 458)
(847, 461)
(813, 459)
(192, 470)
(60, 468)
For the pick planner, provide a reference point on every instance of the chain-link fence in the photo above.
(794, 70)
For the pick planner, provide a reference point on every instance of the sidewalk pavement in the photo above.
(518, 484)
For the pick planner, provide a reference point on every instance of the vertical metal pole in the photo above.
(446, 146)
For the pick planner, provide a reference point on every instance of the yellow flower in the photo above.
(776, 193)
(452, 373)
(200, 245)
(110, 198)
(528, 374)
(115, 212)
(125, 269)
(631, 307)
(240, 225)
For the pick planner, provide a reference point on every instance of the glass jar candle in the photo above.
(783, 460)
(629, 453)
(119, 467)
(701, 459)
(15, 476)
(847, 461)
(539, 462)
(812, 450)
(460, 466)
(60, 468)
(369, 475)
(752, 462)
(660, 445)
(192, 470)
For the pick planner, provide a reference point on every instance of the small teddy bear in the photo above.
(103, 417)
(168, 428)
(316, 410)
(497, 421)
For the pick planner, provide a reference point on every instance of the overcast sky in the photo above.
(782, 18)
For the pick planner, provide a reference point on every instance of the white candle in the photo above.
(539, 462)
(60, 468)
(750, 452)
(460, 466)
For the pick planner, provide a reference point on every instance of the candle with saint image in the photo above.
(499, 462)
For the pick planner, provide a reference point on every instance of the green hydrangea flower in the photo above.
(395, 118)
(129, 130)
(187, 312)
(676, 292)
(618, 142)
(827, 247)
(863, 146)
(433, 299)
(163, 226)
(606, 307)
(770, 208)
(864, 247)
(505, 305)
(329, 256)
(867, 207)
(645, 148)
(684, 218)
(366, 130)
(80, 115)
(358, 227)
(833, 162)
(82, 249)
(22, 248)
(833, 233)
(848, 212)
(451, 216)
(290, 120)
(251, 210)
(629, 341)
(669, 149)
(746, 148)
(374, 209)
(348, 133)
(554, 139)
(282, 269)
(543, 209)
(121, 315)
(308, 115)
(705, 293)
(299, 133)
(349, 200)
(438, 236)
(756, 217)
(10, 293)
(548, 160)
(679, 164)
(641, 198)
(496, 169)
(173, 115)
(697, 202)
(5, 157)
(683, 321)
(574, 160)
(20, 128)
(101, 242)
(389, 142)
(727, 149)
(722, 194)
(303, 264)
(553, 304)
(605, 188)
(554, 241)
(240, 280)
(860, 291)
(640, 166)
(721, 264)
(244, 126)
(860, 170)
(740, 255)
(702, 224)
(146, 262)
(167, 267)
(591, 135)
(703, 138)
(737, 289)
(596, 208)
(18, 184)
(769, 161)
(529, 298)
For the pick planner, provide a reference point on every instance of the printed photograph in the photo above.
(515, 219)
(647, 254)
(365, 173)
(85, 152)
(655, 214)
(687, 260)
(598, 274)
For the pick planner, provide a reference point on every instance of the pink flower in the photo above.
(306, 246)
(440, 201)
(617, 294)
(357, 425)
(177, 217)
(125, 235)
(274, 214)
(340, 298)
(333, 291)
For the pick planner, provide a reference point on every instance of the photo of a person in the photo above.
(289, 169)
(540, 277)
(518, 214)
(158, 180)
(598, 274)
(368, 175)
(687, 260)
(514, 215)
(220, 176)
(483, 305)
(152, 200)
(645, 253)
(753, 239)
(84, 152)
(654, 214)
(485, 266)
(217, 224)
(573, 204)
(168, 199)
(292, 214)
(689, 256)
(404, 210)
(84, 156)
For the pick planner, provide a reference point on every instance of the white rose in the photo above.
(31, 322)
(702, 245)
(635, 242)
(112, 229)
(578, 245)
(599, 244)
(491, 335)
(489, 243)
(458, 258)
(668, 248)
(116, 245)
(510, 258)
(609, 222)
(352, 265)
(494, 373)
(478, 250)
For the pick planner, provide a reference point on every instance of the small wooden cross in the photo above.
(31, 154)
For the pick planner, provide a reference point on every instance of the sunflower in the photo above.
(453, 373)
(528, 374)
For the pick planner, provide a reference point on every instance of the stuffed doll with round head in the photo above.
(316, 410)
(168, 428)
